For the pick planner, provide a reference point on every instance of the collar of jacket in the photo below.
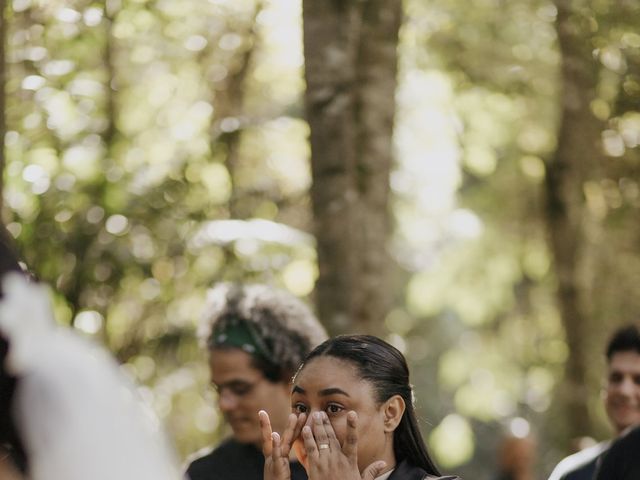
(406, 471)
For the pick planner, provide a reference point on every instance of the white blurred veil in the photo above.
(79, 417)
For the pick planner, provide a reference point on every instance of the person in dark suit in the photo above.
(621, 400)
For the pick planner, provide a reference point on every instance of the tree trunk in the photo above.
(229, 105)
(576, 160)
(351, 64)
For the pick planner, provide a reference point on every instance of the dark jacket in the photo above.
(622, 461)
(580, 465)
(235, 461)
(405, 471)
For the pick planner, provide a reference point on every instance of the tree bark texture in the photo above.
(577, 159)
(351, 65)
(228, 101)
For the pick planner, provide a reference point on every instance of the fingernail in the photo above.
(318, 416)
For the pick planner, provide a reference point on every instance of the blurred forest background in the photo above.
(460, 177)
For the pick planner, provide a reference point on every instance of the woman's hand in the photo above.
(275, 449)
(329, 460)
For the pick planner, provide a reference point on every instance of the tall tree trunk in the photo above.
(577, 159)
(80, 242)
(229, 105)
(351, 64)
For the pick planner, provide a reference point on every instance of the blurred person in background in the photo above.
(621, 400)
(516, 458)
(67, 411)
(256, 337)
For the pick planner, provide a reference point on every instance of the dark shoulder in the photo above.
(228, 448)
(232, 461)
(625, 445)
(621, 462)
(297, 471)
(405, 471)
(228, 460)
(580, 465)
(583, 472)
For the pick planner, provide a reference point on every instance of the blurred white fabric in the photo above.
(79, 417)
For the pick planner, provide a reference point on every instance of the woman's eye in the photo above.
(299, 408)
(334, 409)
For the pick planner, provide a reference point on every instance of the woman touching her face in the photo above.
(353, 416)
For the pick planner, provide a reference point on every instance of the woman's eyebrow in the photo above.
(332, 391)
(323, 393)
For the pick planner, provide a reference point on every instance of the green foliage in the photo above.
(117, 159)
(494, 279)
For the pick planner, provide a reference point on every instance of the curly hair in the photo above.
(281, 323)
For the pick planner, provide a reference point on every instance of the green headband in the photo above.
(239, 333)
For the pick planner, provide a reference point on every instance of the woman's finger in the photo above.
(309, 442)
(320, 433)
(373, 470)
(350, 447)
(294, 427)
(334, 443)
(265, 429)
(280, 464)
(276, 447)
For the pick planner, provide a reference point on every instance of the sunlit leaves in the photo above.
(474, 279)
(215, 178)
(119, 186)
(452, 441)
(300, 275)
(114, 159)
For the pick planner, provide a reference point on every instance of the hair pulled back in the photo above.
(385, 368)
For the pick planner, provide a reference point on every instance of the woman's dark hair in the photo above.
(385, 368)
(9, 438)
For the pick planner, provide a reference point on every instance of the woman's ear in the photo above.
(393, 409)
